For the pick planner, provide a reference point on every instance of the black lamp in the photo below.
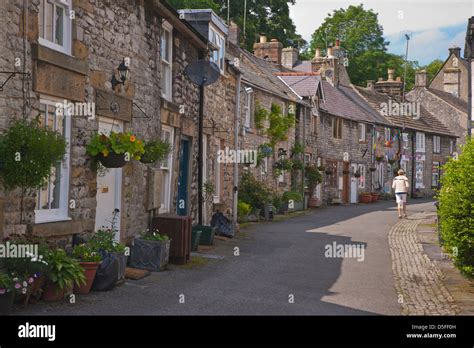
(123, 72)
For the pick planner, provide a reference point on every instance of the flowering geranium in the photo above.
(119, 143)
(22, 284)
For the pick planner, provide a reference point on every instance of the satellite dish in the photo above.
(202, 72)
(328, 73)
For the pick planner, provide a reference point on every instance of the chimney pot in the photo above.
(455, 50)
(337, 43)
(391, 72)
(318, 53)
(263, 39)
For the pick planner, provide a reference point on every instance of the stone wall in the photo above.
(103, 34)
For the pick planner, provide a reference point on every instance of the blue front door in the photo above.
(182, 203)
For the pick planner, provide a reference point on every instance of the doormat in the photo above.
(135, 273)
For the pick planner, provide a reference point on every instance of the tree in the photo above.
(269, 17)
(433, 68)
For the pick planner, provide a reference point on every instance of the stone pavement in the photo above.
(418, 280)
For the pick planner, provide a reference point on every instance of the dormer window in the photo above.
(218, 55)
(55, 25)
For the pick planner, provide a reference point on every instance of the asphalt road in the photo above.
(282, 269)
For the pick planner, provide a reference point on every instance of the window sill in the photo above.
(45, 220)
(61, 59)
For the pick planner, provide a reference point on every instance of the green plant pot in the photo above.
(195, 238)
(207, 234)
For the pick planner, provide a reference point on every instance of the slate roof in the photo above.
(260, 73)
(302, 65)
(303, 85)
(450, 99)
(426, 123)
(342, 101)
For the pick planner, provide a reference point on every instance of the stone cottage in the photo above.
(74, 58)
(446, 95)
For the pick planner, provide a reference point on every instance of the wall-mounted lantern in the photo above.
(123, 73)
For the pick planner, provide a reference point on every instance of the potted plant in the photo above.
(150, 251)
(32, 268)
(155, 151)
(89, 260)
(103, 241)
(314, 178)
(115, 150)
(379, 158)
(365, 197)
(6, 294)
(62, 273)
(375, 196)
(243, 210)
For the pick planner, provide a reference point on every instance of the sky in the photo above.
(434, 26)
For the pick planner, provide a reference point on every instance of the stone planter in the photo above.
(375, 196)
(151, 255)
(314, 203)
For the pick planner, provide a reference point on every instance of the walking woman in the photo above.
(401, 186)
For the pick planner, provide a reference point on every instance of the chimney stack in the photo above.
(391, 87)
(421, 79)
(370, 85)
(289, 57)
(234, 33)
(456, 51)
(270, 51)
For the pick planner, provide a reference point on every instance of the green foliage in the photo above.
(271, 17)
(85, 253)
(119, 143)
(297, 164)
(154, 236)
(243, 209)
(253, 192)
(28, 152)
(313, 177)
(433, 68)
(292, 196)
(104, 239)
(297, 149)
(456, 209)
(6, 283)
(63, 270)
(277, 200)
(279, 125)
(261, 114)
(28, 266)
(155, 151)
(284, 164)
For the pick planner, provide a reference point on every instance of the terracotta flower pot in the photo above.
(90, 269)
(365, 198)
(52, 292)
(313, 202)
(375, 196)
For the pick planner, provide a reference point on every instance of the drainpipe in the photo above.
(413, 164)
(303, 142)
(236, 147)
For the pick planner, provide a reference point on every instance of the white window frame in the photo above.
(167, 27)
(379, 175)
(405, 140)
(387, 134)
(420, 142)
(61, 213)
(217, 39)
(166, 186)
(436, 144)
(67, 26)
(451, 146)
(362, 129)
(264, 168)
(248, 110)
(363, 172)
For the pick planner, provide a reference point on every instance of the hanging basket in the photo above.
(113, 160)
(372, 169)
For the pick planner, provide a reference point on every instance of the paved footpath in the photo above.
(283, 268)
(418, 280)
